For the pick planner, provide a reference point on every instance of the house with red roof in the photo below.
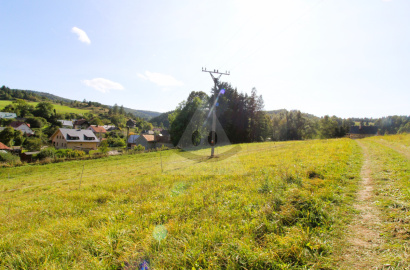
(4, 147)
(99, 131)
(148, 141)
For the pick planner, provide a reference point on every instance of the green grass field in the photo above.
(59, 108)
(271, 206)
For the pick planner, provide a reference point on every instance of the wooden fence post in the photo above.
(81, 178)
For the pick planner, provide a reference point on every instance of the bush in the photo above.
(9, 158)
(69, 153)
(138, 148)
(116, 142)
(49, 152)
(32, 144)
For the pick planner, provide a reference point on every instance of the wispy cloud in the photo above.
(160, 79)
(82, 35)
(103, 85)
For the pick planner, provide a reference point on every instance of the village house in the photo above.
(99, 131)
(7, 115)
(109, 128)
(148, 141)
(358, 132)
(79, 139)
(81, 124)
(132, 141)
(66, 123)
(4, 147)
(23, 127)
(147, 132)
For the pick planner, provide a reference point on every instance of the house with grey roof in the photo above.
(66, 123)
(7, 115)
(132, 141)
(79, 139)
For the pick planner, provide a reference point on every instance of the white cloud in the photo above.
(103, 85)
(160, 79)
(82, 35)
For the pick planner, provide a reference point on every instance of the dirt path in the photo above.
(363, 235)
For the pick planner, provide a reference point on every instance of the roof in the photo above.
(109, 128)
(7, 115)
(16, 124)
(30, 153)
(363, 129)
(97, 129)
(4, 147)
(133, 138)
(83, 135)
(149, 138)
(66, 122)
(80, 122)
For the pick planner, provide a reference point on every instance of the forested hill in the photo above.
(30, 95)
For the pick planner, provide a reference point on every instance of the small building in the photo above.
(131, 123)
(132, 141)
(78, 139)
(147, 132)
(148, 141)
(99, 131)
(81, 124)
(109, 128)
(28, 156)
(7, 115)
(358, 132)
(66, 123)
(23, 127)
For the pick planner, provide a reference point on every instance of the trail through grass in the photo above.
(379, 233)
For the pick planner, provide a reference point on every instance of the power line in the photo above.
(213, 108)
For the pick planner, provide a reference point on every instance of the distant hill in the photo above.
(138, 113)
(162, 118)
(142, 114)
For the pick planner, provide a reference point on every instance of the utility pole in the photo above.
(216, 80)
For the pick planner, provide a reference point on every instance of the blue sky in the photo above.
(346, 58)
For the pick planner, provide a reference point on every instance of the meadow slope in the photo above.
(271, 206)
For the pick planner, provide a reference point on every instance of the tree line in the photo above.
(243, 119)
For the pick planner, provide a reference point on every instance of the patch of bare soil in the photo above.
(363, 233)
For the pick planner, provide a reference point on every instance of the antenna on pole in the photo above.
(213, 108)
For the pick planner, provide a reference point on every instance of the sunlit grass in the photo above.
(59, 108)
(272, 205)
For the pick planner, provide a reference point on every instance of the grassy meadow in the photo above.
(280, 205)
(59, 108)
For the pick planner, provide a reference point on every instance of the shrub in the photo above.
(49, 152)
(9, 158)
(69, 153)
(139, 148)
(33, 144)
